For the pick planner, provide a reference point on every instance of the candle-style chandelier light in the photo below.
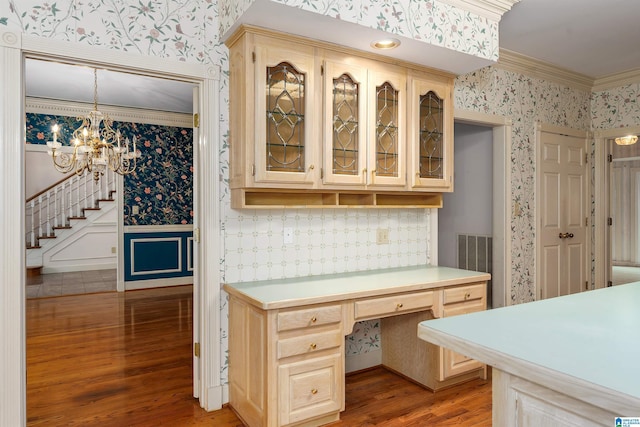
(94, 147)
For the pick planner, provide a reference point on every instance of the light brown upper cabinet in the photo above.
(430, 133)
(364, 116)
(318, 125)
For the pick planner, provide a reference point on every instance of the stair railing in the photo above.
(55, 206)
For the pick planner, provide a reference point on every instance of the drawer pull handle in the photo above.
(314, 319)
(314, 391)
(399, 305)
(312, 346)
(467, 295)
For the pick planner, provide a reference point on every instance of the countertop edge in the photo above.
(599, 396)
(355, 294)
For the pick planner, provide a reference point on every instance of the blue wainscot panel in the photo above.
(158, 255)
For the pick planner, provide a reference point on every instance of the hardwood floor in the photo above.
(124, 359)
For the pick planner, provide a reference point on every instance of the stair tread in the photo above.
(90, 209)
(34, 247)
(46, 237)
(61, 227)
(77, 217)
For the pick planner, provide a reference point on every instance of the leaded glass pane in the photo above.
(386, 130)
(345, 126)
(285, 118)
(431, 133)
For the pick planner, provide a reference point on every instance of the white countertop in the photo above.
(281, 293)
(592, 336)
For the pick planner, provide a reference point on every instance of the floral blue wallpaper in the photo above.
(161, 186)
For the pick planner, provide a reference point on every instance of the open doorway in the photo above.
(206, 290)
(499, 150)
(465, 222)
(624, 205)
(76, 221)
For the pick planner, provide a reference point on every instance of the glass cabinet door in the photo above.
(386, 127)
(285, 138)
(345, 124)
(431, 135)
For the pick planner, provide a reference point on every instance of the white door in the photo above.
(563, 215)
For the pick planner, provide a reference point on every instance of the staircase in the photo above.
(56, 213)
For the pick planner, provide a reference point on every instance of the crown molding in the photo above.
(490, 9)
(518, 63)
(616, 80)
(118, 114)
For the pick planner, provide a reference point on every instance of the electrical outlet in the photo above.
(135, 210)
(382, 236)
(287, 235)
(113, 249)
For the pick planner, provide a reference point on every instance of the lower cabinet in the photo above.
(310, 388)
(286, 365)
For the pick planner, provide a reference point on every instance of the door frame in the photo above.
(14, 47)
(602, 232)
(501, 253)
(539, 129)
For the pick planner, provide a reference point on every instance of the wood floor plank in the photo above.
(124, 359)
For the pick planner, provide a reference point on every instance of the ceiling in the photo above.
(595, 38)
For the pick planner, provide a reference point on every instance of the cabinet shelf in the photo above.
(299, 199)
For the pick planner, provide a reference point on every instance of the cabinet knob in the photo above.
(314, 391)
(314, 319)
(311, 167)
(467, 295)
(399, 305)
(312, 346)
(364, 171)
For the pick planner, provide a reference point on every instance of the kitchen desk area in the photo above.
(571, 360)
(286, 337)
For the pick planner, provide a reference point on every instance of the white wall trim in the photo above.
(12, 244)
(616, 80)
(12, 254)
(521, 64)
(118, 114)
(490, 9)
(501, 276)
(158, 228)
(157, 283)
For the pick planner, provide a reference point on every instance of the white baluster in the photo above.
(70, 200)
(85, 184)
(93, 192)
(33, 222)
(55, 207)
(49, 231)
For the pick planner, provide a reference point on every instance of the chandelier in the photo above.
(94, 148)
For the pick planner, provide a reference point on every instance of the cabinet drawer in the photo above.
(307, 317)
(464, 293)
(309, 343)
(310, 389)
(396, 304)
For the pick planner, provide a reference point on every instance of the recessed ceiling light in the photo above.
(385, 43)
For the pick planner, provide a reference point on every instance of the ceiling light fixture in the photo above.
(94, 149)
(385, 43)
(627, 140)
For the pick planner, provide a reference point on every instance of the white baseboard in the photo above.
(157, 283)
(216, 397)
(81, 267)
(362, 361)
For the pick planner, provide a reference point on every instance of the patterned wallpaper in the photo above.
(525, 100)
(614, 108)
(334, 240)
(161, 186)
(430, 21)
